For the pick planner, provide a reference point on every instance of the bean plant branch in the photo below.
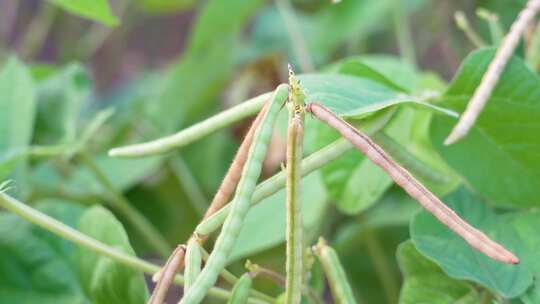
(475, 238)
(122, 205)
(167, 275)
(62, 230)
(463, 24)
(495, 27)
(193, 133)
(294, 224)
(493, 73)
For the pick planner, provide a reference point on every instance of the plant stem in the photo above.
(277, 182)
(403, 32)
(493, 73)
(37, 30)
(166, 275)
(122, 205)
(495, 27)
(62, 230)
(295, 35)
(195, 132)
(463, 24)
(295, 226)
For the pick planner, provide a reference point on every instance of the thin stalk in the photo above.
(189, 184)
(415, 189)
(463, 24)
(62, 230)
(533, 51)
(122, 205)
(493, 73)
(335, 274)
(280, 280)
(277, 182)
(495, 27)
(166, 275)
(230, 278)
(195, 132)
(403, 33)
(37, 30)
(294, 229)
(295, 35)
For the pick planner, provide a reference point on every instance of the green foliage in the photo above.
(503, 139)
(97, 10)
(425, 282)
(103, 280)
(460, 261)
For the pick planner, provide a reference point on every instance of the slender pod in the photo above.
(408, 160)
(195, 132)
(294, 224)
(192, 263)
(230, 181)
(240, 203)
(240, 292)
(415, 189)
(337, 279)
(493, 73)
(165, 277)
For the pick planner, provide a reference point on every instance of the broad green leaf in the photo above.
(17, 112)
(264, 226)
(498, 158)
(426, 283)
(390, 71)
(354, 97)
(460, 261)
(97, 10)
(103, 280)
(34, 264)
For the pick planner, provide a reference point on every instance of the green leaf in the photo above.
(103, 280)
(426, 283)
(97, 10)
(354, 97)
(261, 231)
(17, 111)
(460, 261)
(35, 264)
(499, 157)
(393, 72)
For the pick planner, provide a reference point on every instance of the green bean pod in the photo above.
(341, 290)
(240, 203)
(240, 292)
(192, 263)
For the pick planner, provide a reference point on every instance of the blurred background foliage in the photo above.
(161, 65)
